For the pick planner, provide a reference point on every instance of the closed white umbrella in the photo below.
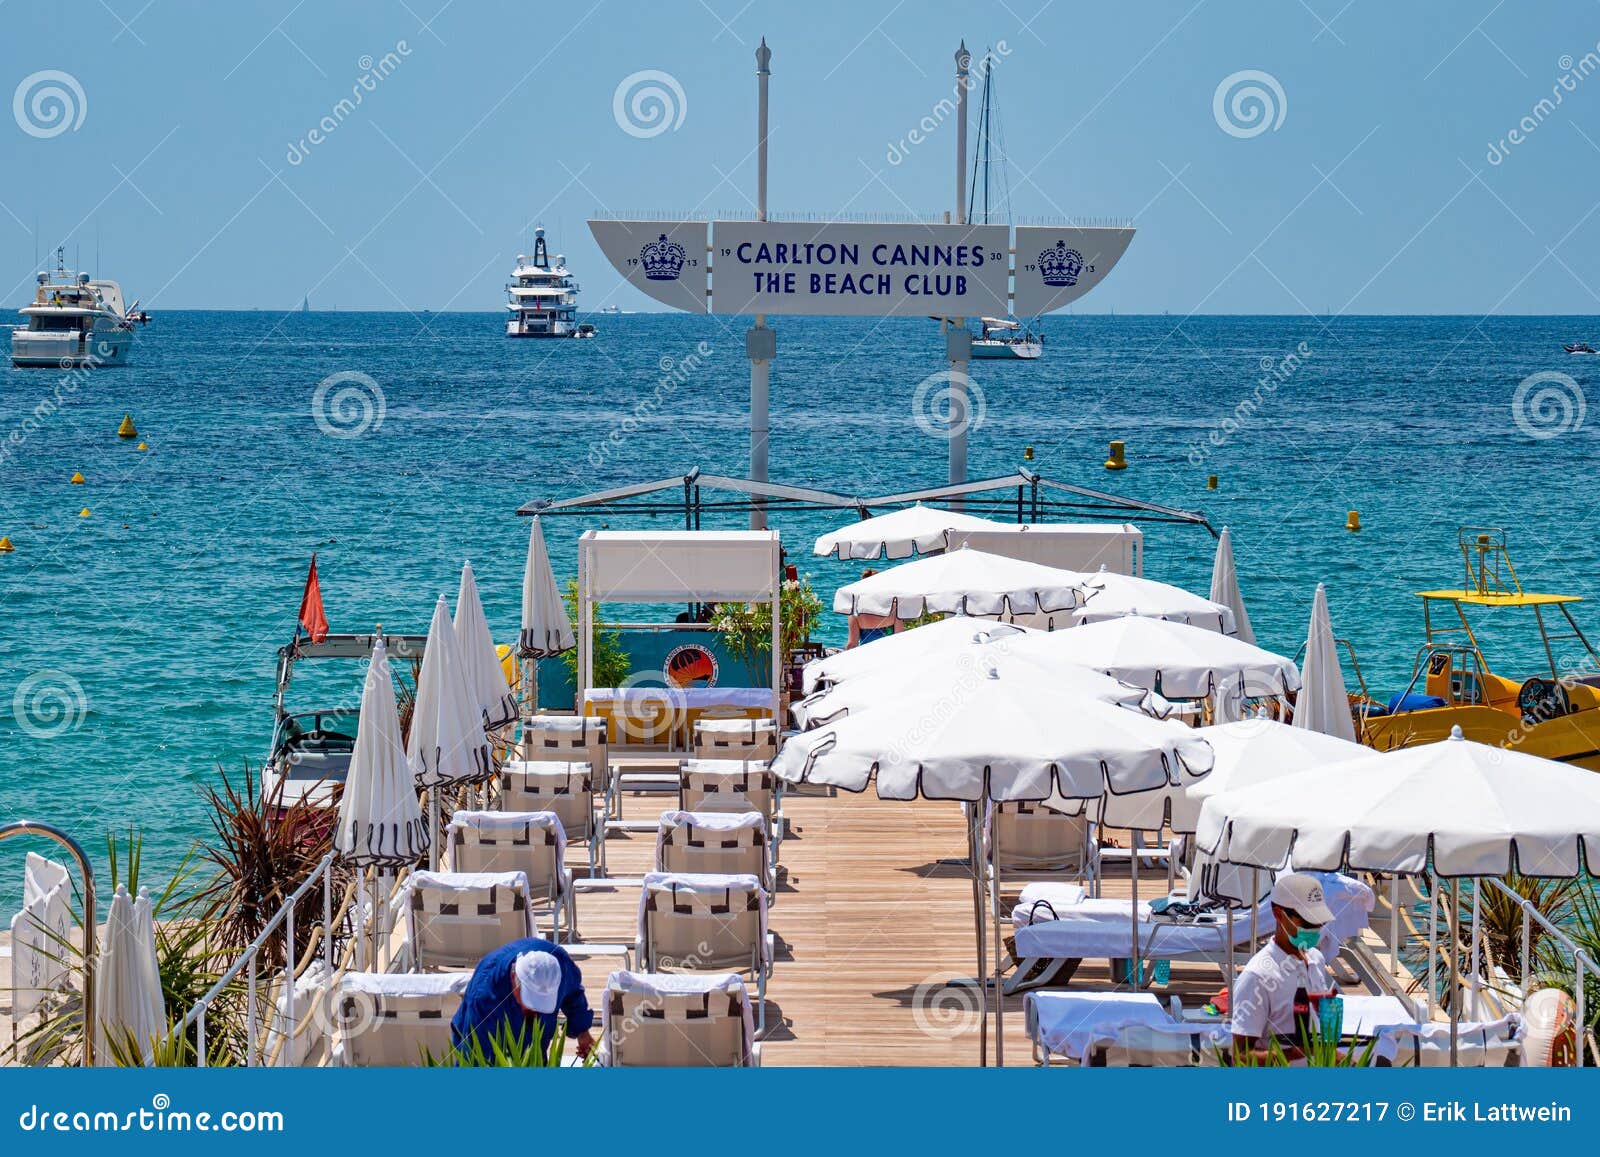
(1322, 704)
(1225, 587)
(1111, 595)
(1173, 659)
(130, 1012)
(905, 647)
(546, 630)
(963, 582)
(447, 744)
(900, 534)
(485, 675)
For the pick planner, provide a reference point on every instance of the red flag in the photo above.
(312, 617)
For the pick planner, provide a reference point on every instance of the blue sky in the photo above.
(1373, 193)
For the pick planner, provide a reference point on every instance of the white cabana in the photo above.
(130, 1013)
(1454, 809)
(380, 820)
(447, 744)
(963, 582)
(905, 647)
(481, 661)
(1322, 704)
(40, 935)
(902, 533)
(1111, 595)
(1225, 587)
(1172, 659)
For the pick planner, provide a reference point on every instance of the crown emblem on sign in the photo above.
(662, 259)
(1060, 266)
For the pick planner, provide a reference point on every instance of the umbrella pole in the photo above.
(433, 828)
(999, 992)
(1229, 933)
(975, 861)
(1255, 906)
(1135, 967)
(1455, 973)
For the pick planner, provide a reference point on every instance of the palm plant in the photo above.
(510, 1046)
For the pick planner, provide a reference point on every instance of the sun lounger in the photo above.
(1160, 1046)
(725, 843)
(732, 785)
(564, 739)
(393, 1018)
(568, 788)
(1065, 1024)
(699, 922)
(1492, 1045)
(743, 739)
(653, 1019)
(454, 919)
(531, 842)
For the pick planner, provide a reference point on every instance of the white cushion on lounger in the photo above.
(405, 983)
(467, 881)
(1069, 1022)
(713, 821)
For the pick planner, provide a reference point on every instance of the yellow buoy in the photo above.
(1353, 522)
(1211, 481)
(84, 513)
(1027, 453)
(5, 544)
(126, 430)
(1118, 459)
(142, 446)
(77, 478)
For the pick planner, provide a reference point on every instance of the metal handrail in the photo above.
(34, 828)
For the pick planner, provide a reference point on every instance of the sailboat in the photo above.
(997, 337)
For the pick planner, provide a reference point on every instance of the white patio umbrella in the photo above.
(1111, 595)
(1322, 704)
(899, 534)
(380, 820)
(906, 647)
(130, 1013)
(447, 744)
(888, 684)
(485, 675)
(546, 630)
(1004, 737)
(1225, 587)
(963, 582)
(1454, 809)
(1249, 752)
(1172, 659)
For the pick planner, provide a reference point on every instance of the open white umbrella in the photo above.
(485, 675)
(887, 685)
(1322, 704)
(380, 820)
(1454, 809)
(130, 1013)
(1225, 587)
(899, 534)
(963, 582)
(447, 744)
(1172, 659)
(905, 647)
(1249, 752)
(1111, 595)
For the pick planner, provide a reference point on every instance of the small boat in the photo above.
(74, 321)
(610, 309)
(1579, 347)
(1554, 713)
(1005, 338)
(585, 329)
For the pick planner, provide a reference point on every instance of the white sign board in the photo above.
(1058, 265)
(797, 267)
(665, 260)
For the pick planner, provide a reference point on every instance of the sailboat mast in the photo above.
(988, 78)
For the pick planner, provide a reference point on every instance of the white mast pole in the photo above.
(958, 341)
(760, 343)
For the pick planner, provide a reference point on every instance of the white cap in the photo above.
(1301, 893)
(538, 976)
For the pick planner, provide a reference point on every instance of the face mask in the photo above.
(1304, 938)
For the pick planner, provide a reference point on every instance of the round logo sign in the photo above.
(691, 665)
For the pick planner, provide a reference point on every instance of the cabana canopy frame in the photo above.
(1021, 497)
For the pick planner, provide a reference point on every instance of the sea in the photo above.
(143, 608)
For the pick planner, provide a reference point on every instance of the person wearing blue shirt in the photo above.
(522, 985)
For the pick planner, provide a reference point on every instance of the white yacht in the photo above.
(73, 321)
(1003, 337)
(544, 300)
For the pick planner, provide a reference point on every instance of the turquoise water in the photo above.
(158, 617)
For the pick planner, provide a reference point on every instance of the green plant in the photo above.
(746, 628)
(1316, 1052)
(510, 1047)
(611, 664)
(1582, 926)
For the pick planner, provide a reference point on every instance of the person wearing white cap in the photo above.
(1276, 995)
(521, 986)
